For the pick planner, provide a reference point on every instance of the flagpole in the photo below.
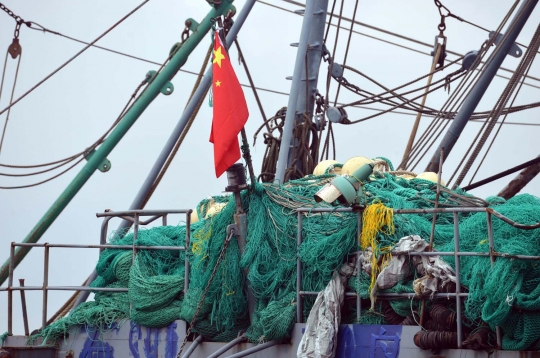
(245, 143)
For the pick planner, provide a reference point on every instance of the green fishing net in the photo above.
(506, 294)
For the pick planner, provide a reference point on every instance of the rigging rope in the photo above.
(272, 143)
(521, 70)
(436, 127)
(399, 36)
(74, 57)
(45, 30)
(373, 97)
(242, 61)
(68, 160)
(500, 126)
(19, 55)
(414, 129)
(330, 131)
(344, 64)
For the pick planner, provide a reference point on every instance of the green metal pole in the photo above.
(96, 159)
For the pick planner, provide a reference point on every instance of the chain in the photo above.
(442, 9)
(185, 33)
(231, 232)
(17, 18)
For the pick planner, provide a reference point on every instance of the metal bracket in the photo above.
(514, 51)
(312, 46)
(192, 24)
(442, 56)
(15, 48)
(232, 228)
(236, 188)
(167, 89)
(468, 60)
(337, 115)
(325, 53)
(104, 166)
(337, 71)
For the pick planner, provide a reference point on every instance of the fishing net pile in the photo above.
(506, 294)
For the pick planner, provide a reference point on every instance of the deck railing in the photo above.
(134, 216)
(457, 295)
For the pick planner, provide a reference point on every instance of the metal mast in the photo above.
(310, 49)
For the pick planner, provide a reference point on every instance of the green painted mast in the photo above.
(97, 159)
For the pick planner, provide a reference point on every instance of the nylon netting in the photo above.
(507, 294)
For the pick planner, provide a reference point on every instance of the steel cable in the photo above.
(329, 137)
(488, 126)
(12, 92)
(74, 57)
(435, 129)
(500, 126)
(375, 28)
(512, 25)
(68, 160)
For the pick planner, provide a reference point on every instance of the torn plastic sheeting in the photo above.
(320, 335)
(435, 272)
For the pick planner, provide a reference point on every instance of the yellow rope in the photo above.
(377, 219)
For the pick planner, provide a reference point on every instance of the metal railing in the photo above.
(133, 216)
(456, 253)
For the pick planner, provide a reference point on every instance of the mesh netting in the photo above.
(506, 294)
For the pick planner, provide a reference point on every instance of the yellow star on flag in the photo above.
(218, 83)
(218, 56)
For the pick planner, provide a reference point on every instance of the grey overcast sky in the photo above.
(73, 108)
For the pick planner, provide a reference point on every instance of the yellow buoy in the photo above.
(194, 217)
(321, 168)
(431, 176)
(214, 209)
(406, 176)
(353, 164)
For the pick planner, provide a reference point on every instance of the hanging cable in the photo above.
(329, 20)
(491, 56)
(416, 124)
(74, 57)
(376, 98)
(242, 61)
(329, 132)
(375, 28)
(457, 101)
(15, 51)
(487, 128)
(436, 127)
(69, 160)
(500, 125)
(408, 101)
(440, 122)
(347, 48)
(398, 36)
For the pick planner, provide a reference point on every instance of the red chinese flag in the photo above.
(230, 110)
